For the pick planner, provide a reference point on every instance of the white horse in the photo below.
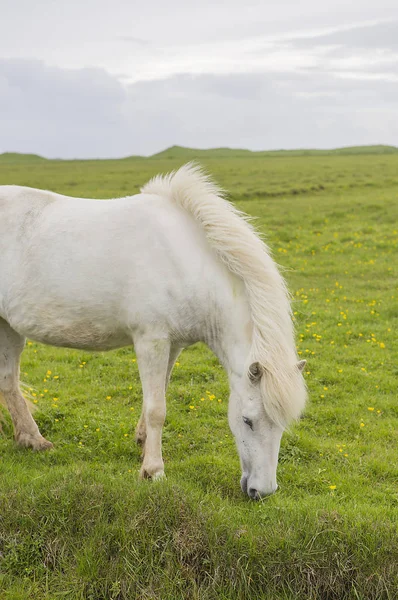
(161, 270)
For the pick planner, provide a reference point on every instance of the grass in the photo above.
(75, 523)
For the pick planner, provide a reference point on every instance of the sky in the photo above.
(107, 79)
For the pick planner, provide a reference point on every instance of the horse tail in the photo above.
(230, 233)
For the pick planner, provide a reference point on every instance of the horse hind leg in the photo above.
(26, 432)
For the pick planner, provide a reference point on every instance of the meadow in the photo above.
(77, 524)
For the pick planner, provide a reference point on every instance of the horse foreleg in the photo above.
(140, 431)
(153, 362)
(26, 431)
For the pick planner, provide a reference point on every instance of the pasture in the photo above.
(75, 523)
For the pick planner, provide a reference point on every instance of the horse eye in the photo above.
(248, 422)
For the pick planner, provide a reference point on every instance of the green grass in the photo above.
(75, 523)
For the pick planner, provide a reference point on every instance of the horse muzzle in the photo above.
(256, 492)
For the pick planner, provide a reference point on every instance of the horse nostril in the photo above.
(253, 493)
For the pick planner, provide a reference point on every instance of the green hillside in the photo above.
(376, 149)
(10, 157)
(184, 153)
(176, 152)
(180, 152)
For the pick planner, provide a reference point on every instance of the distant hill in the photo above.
(348, 150)
(17, 157)
(176, 152)
(182, 153)
(191, 153)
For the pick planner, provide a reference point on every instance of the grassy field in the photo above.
(76, 523)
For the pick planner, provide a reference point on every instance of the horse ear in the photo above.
(255, 372)
(301, 364)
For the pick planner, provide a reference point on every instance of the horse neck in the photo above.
(230, 335)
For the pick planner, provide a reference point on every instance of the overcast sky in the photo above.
(94, 78)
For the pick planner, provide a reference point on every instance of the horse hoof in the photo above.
(44, 445)
(155, 476)
(38, 444)
(144, 474)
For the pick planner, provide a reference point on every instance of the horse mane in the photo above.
(238, 245)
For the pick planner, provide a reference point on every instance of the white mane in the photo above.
(245, 254)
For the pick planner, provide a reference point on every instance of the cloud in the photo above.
(352, 51)
(59, 112)
(89, 113)
(133, 40)
(377, 34)
(362, 51)
(349, 50)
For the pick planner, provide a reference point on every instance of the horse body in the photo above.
(90, 274)
(139, 270)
